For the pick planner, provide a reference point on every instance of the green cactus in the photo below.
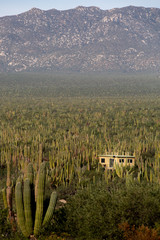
(4, 198)
(139, 177)
(27, 206)
(30, 173)
(146, 172)
(50, 209)
(119, 170)
(9, 187)
(20, 208)
(129, 178)
(40, 198)
(151, 176)
(25, 203)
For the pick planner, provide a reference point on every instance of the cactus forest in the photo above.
(53, 127)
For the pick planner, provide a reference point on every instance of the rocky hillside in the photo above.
(81, 39)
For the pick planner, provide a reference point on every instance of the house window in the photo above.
(102, 160)
(120, 160)
(129, 160)
(123, 160)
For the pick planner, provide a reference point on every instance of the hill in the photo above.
(81, 39)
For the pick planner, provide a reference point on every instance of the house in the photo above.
(109, 161)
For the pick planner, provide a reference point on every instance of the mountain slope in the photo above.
(81, 39)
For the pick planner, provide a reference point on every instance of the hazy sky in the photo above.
(11, 7)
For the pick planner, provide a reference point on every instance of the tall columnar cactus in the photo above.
(40, 198)
(27, 206)
(9, 187)
(30, 174)
(119, 170)
(139, 176)
(20, 208)
(4, 198)
(129, 178)
(7, 193)
(146, 172)
(25, 201)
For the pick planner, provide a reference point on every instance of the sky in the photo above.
(12, 7)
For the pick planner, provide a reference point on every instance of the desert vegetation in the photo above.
(63, 122)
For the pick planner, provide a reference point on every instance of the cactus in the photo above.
(25, 203)
(129, 178)
(151, 176)
(50, 209)
(146, 172)
(9, 187)
(119, 170)
(4, 198)
(27, 206)
(30, 174)
(40, 198)
(20, 209)
(139, 177)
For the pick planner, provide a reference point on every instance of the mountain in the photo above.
(81, 39)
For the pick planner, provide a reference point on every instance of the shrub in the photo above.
(142, 233)
(95, 213)
(90, 214)
(5, 228)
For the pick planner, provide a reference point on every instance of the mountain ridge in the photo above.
(81, 39)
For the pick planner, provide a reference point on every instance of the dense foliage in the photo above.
(97, 212)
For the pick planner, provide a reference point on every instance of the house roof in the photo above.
(119, 156)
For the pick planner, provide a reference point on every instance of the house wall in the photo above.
(124, 161)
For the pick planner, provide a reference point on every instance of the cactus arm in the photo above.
(4, 198)
(20, 210)
(30, 173)
(27, 206)
(50, 210)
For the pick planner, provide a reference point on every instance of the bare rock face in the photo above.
(81, 39)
